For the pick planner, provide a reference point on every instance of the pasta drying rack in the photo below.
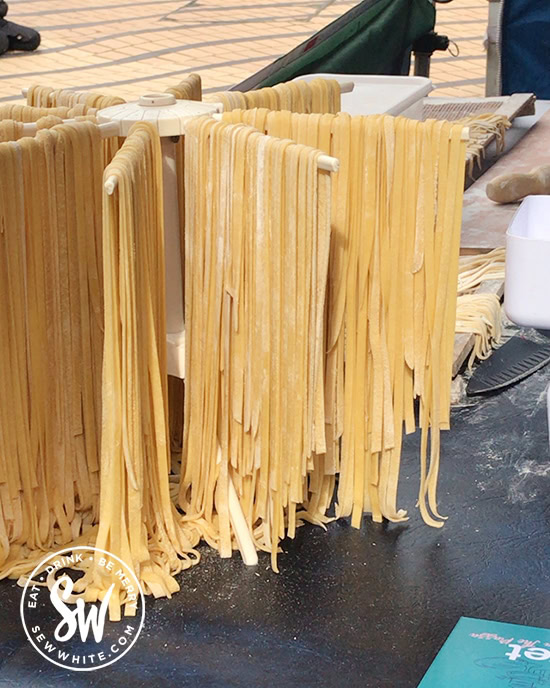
(169, 117)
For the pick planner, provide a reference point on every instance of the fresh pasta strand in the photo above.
(53, 311)
(189, 88)
(30, 113)
(237, 301)
(48, 97)
(318, 95)
(135, 450)
(481, 127)
(383, 309)
(480, 314)
(318, 308)
(473, 270)
(43, 115)
(10, 130)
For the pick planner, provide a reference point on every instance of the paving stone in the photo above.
(87, 41)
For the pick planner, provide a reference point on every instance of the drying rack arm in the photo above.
(108, 129)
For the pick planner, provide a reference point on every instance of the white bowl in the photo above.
(527, 284)
(376, 94)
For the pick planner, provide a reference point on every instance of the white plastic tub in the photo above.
(527, 283)
(377, 95)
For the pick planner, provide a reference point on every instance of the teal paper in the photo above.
(490, 654)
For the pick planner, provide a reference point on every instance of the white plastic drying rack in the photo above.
(169, 117)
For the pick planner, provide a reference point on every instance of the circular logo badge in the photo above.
(70, 632)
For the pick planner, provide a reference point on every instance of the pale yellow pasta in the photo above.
(475, 269)
(483, 127)
(48, 97)
(318, 95)
(51, 341)
(255, 294)
(318, 307)
(393, 272)
(480, 314)
(135, 453)
(189, 88)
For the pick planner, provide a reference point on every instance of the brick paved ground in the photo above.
(124, 47)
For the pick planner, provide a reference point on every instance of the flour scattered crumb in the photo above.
(526, 486)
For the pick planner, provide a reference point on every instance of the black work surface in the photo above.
(354, 608)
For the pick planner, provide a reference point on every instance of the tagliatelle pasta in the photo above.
(137, 521)
(189, 88)
(391, 298)
(483, 127)
(30, 113)
(256, 259)
(473, 270)
(318, 95)
(10, 130)
(318, 307)
(480, 314)
(51, 340)
(48, 97)
(43, 117)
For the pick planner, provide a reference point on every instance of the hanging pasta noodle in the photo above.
(11, 130)
(318, 95)
(188, 89)
(43, 101)
(29, 113)
(167, 542)
(138, 521)
(255, 271)
(51, 340)
(391, 299)
(78, 113)
(47, 97)
(316, 313)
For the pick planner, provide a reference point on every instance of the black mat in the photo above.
(350, 608)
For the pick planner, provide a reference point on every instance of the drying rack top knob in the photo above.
(156, 99)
